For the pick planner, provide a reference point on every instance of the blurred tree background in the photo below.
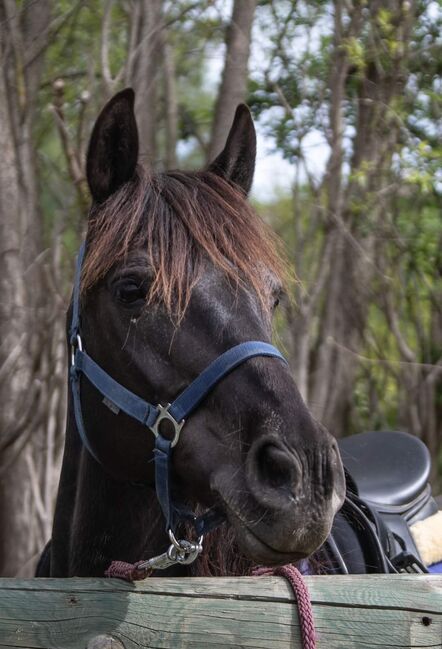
(347, 92)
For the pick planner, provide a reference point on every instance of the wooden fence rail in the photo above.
(366, 612)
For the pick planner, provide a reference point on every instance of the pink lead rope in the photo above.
(305, 611)
(135, 572)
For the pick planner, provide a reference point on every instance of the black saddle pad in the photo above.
(389, 468)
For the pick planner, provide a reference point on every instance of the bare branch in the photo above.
(406, 351)
(383, 361)
(72, 156)
(13, 356)
(35, 487)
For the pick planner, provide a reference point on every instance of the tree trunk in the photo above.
(233, 88)
(23, 38)
(355, 211)
(171, 105)
(145, 76)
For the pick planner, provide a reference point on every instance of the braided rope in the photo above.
(305, 611)
(127, 571)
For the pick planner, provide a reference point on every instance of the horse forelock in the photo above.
(182, 219)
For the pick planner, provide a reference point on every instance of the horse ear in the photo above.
(113, 148)
(236, 162)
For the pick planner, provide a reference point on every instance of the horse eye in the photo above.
(130, 291)
(276, 299)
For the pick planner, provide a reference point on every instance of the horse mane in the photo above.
(181, 219)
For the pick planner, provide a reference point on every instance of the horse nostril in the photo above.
(274, 467)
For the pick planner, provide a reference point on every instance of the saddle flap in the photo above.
(389, 468)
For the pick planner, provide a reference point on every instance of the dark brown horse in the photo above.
(178, 269)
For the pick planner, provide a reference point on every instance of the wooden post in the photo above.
(369, 611)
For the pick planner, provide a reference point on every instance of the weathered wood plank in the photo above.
(350, 612)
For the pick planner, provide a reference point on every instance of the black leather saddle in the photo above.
(391, 469)
(387, 491)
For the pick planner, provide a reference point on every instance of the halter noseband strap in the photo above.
(118, 398)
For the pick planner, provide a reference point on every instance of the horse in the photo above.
(178, 269)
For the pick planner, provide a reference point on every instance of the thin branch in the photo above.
(137, 50)
(404, 348)
(383, 361)
(11, 359)
(80, 139)
(35, 488)
(54, 29)
(72, 156)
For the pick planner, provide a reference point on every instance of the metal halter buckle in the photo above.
(163, 413)
(74, 347)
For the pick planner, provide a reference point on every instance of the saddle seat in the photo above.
(388, 492)
(391, 469)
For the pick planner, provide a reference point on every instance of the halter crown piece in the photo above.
(117, 397)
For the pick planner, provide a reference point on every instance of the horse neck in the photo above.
(98, 519)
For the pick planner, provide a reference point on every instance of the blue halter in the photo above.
(119, 398)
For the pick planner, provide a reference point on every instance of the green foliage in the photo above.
(355, 52)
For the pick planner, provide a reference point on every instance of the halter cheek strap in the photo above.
(117, 397)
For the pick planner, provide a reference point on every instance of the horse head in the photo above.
(179, 269)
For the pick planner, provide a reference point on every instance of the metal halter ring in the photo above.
(163, 413)
(74, 347)
(182, 551)
(178, 543)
